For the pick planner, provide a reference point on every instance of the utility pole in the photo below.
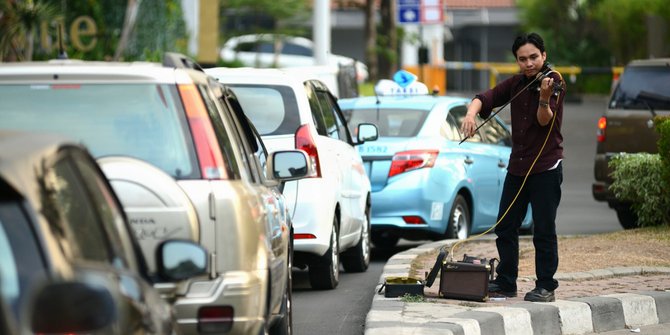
(321, 31)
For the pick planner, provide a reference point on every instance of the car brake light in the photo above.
(204, 138)
(303, 236)
(305, 142)
(412, 219)
(215, 319)
(411, 160)
(602, 126)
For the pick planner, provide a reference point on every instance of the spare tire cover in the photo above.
(156, 207)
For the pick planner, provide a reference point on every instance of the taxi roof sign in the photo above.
(404, 78)
(389, 87)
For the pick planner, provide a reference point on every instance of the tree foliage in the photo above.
(593, 32)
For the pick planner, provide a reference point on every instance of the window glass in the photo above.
(144, 121)
(495, 133)
(21, 263)
(329, 122)
(107, 209)
(389, 122)
(295, 49)
(333, 111)
(273, 109)
(459, 114)
(449, 129)
(82, 234)
(317, 116)
(258, 154)
(222, 136)
(643, 87)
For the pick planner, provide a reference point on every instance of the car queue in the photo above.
(255, 171)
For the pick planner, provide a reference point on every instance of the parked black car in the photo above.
(68, 262)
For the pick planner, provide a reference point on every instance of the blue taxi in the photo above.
(425, 185)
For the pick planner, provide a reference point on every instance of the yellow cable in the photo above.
(551, 127)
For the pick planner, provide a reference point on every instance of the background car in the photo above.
(424, 184)
(183, 167)
(279, 51)
(330, 208)
(627, 126)
(68, 259)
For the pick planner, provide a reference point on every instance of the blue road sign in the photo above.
(409, 11)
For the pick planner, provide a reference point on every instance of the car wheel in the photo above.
(324, 273)
(626, 215)
(459, 219)
(527, 231)
(357, 259)
(384, 239)
(284, 326)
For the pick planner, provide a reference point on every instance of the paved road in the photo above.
(342, 311)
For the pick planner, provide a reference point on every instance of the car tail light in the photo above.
(303, 236)
(411, 160)
(413, 219)
(305, 141)
(215, 319)
(602, 126)
(206, 144)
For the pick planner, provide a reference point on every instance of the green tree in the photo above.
(19, 24)
(626, 25)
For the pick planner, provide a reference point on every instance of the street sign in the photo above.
(420, 11)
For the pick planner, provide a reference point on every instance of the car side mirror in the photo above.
(367, 132)
(71, 307)
(288, 165)
(178, 260)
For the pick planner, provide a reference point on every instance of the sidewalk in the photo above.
(587, 302)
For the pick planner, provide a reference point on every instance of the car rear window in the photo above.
(390, 122)
(643, 87)
(145, 121)
(273, 109)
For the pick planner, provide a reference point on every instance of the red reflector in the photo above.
(215, 319)
(303, 236)
(411, 160)
(413, 219)
(602, 126)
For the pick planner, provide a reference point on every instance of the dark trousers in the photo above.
(543, 192)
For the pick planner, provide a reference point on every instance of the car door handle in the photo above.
(501, 164)
(468, 160)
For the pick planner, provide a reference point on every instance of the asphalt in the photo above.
(584, 315)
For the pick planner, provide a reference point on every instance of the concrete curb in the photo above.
(563, 317)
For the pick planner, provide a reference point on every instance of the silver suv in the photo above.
(183, 167)
(641, 93)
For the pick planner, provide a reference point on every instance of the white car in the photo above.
(330, 209)
(281, 51)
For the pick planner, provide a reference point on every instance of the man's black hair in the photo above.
(532, 38)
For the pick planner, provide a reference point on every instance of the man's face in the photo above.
(530, 59)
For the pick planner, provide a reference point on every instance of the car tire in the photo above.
(384, 239)
(284, 326)
(357, 259)
(458, 226)
(626, 215)
(324, 273)
(527, 231)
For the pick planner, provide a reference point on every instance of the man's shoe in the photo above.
(498, 290)
(539, 294)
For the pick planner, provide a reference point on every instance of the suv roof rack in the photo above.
(177, 60)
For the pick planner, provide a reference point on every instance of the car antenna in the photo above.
(61, 48)
(377, 102)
